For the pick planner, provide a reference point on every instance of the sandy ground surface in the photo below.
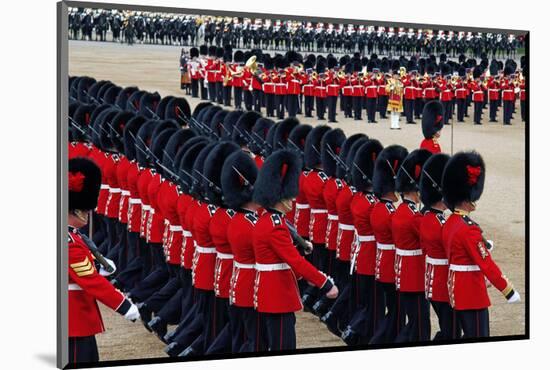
(501, 211)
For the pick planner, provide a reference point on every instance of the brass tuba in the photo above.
(251, 64)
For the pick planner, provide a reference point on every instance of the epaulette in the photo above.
(323, 176)
(412, 207)
(371, 198)
(352, 189)
(276, 219)
(339, 184)
(71, 239)
(115, 157)
(153, 171)
(212, 209)
(178, 190)
(306, 172)
(390, 207)
(252, 218)
(230, 212)
(468, 220)
(73, 143)
(441, 218)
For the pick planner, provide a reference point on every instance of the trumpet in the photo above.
(314, 75)
(402, 71)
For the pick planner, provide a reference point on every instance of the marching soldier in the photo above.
(86, 283)
(468, 252)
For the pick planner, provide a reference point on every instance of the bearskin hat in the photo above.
(320, 67)
(239, 174)
(238, 57)
(213, 170)
(432, 118)
(477, 72)
(178, 109)
(209, 114)
(194, 52)
(212, 50)
(186, 164)
(344, 172)
(82, 117)
(130, 132)
(164, 125)
(198, 187)
(219, 52)
(132, 104)
(103, 129)
(259, 134)
(116, 128)
(283, 131)
(84, 84)
(442, 58)
(331, 145)
(297, 138)
(362, 167)
(331, 62)
(159, 144)
(102, 91)
(84, 182)
(94, 89)
(161, 106)
(111, 94)
(148, 104)
(357, 66)
(183, 148)
(270, 139)
(312, 151)
(203, 49)
(408, 175)
(463, 178)
(243, 126)
(200, 107)
(216, 123)
(430, 181)
(229, 122)
(122, 98)
(144, 137)
(278, 178)
(346, 148)
(371, 65)
(385, 169)
(176, 141)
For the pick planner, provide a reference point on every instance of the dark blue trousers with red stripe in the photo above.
(83, 350)
(474, 323)
(415, 309)
(279, 330)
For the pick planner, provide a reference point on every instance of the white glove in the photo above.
(132, 314)
(104, 272)
(514, 298)
(492, 245)
(309, 248)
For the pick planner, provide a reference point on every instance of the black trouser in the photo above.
(83, 350)
(369, 308)
(238, 92)
(320, 107)
(474, 323)
(227, 96)
(279, 101)
(248, 99)
(478, 111)
(416, 309)
(347, 105)
(308, 105)
(158, 299)
(340, 307)
(192, 325)
(357, 102)
(280, 331)
(331, 105)
(269, 104)
(319, 258)
(493, 106)
(468, 102)
(371, 109)
(460, 109)
(194, 88)
(212, 91)
(154, 280)
(203, 89)
(447, 111)
(245, 330)
(257, 100)
(128, 277)
(206, 310)
(508, 110)
(292, 105)
(522, 108)
(219, 92)
(387, 328)
(220, 331)
(449, 327)
(408, 107)
(383, 105)
(418, 107)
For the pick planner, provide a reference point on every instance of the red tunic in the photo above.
(431, 145)
(313, 186)
(204, 259)
(155, 222)
(113, 199)
(144, 179)
(122, 176)
(346, 230)
(86, 286)
(409, 256)
(134, 202)
(224, 254)
(167, 200)
(278, 266)
(437, 264)
(78, 149)
(185, 205)
(465, 249)
(302, 209)
(332, 188)
(99, 157)
(362, 205)
(381, 222)
(240, 228)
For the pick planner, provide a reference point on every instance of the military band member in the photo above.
(278, 263)
(86, 283)
(478, 90)
(394, 89)
(432, 124)
(371, 93)
(468, 252)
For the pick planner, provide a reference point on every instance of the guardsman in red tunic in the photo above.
(437, 264)
(211, 68)
(522, 95)
(238, 78)
(278, 262)
(508, 94)
(347, 91)
(293, 90)
(86, 284)
(220, 74)
(238, 177)
(320, 90)
(371, 92)
(333, 89)
(385, 170)
(280, 89)
(468, 252)
(369, 305)
(308, 87)
(409, 255)
(432, 124)
(314, 185)
(447, 96)
(493, 88)
(478, 90)
(409, 96)
(78, 126)
(461, 94)
(358, 91)
(383, 98)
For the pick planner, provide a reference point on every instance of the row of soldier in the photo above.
(291, 84)
(200, 212)
(267, 34)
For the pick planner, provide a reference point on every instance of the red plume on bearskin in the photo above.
(408, 176)
(463, 178)
(84, 183)
(430, 180)
(432, 118)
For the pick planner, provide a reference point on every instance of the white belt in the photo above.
(509, 91)
(243, 265)
(493, 90)
(104, 187)
(151, 210)
(463, 268)
(73, 286)
(302, 206)
(333, 217)
(365, 238)
(187, 233)
(114, 190)
(478, 92)
(346, 227)
(125, 192)
(437, 261)
(146, 207)
(385, 247)
(372, 87)
(409, 87)
(408, 252)
(318, 210)
(176, 228)
(224, 256)
(134, 201)
(209, 250)
(272, 266)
